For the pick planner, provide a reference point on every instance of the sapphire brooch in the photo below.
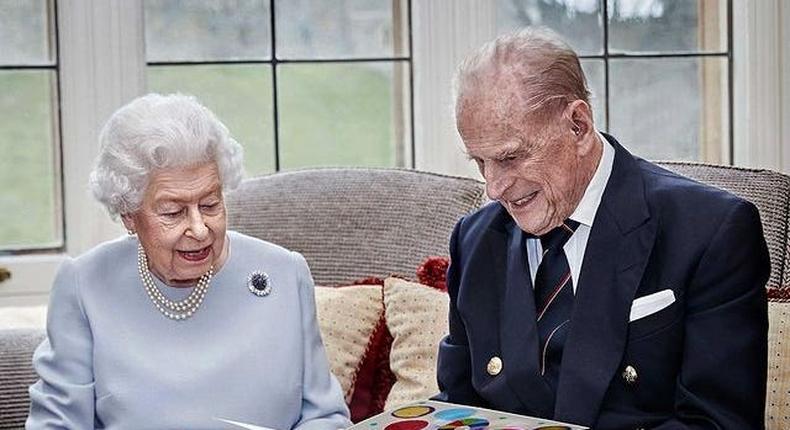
(259, 284)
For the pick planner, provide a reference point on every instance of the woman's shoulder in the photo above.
(109, 253)
(249, 253)
(244, 244)
(105, 267)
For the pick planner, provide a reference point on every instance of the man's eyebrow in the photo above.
(514, 147)
(509, 151)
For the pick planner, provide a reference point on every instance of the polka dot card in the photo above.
(430, 415)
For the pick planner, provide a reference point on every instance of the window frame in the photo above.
(102, 66)
(52, 65)
(467, 24)
(404, 155)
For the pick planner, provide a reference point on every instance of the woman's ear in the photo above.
(128, 223)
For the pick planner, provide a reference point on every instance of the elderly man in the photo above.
(598, 288)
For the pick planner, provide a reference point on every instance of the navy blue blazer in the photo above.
(700, 362)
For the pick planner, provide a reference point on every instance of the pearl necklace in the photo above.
(179, 310)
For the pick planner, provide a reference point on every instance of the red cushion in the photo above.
(433, 272)
(374, 378)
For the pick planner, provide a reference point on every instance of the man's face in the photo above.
(532, 167)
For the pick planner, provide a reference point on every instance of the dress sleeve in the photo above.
(63, 397)
(323, 406)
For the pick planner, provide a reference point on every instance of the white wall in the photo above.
(444, 32)
(761, 39)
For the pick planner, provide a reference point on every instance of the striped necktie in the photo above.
(554, 299)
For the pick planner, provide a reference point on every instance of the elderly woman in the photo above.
(182, 324)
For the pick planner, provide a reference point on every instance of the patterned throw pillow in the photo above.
(348, 317)
(777, 410)
(417, 318)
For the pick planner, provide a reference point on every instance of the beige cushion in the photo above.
(417, 318)
(23, 317)
(777, 411)
(347, 318)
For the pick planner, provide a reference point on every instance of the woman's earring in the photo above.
(130, 232)
(575, 129)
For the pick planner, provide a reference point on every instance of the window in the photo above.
(300, 83)
(31, 218)
(658, 69)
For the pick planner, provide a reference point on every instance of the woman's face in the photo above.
(181, 223)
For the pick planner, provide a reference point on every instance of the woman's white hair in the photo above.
(156, 132)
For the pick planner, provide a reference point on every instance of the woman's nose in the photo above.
(197, 226)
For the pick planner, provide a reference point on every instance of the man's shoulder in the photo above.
(667, 190)
(491, 215)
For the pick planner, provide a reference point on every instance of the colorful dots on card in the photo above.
(412, 411)
(466, 423)
(455, 413)
(407, 425)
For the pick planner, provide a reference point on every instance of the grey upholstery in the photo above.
(355, 223)
(16, 374)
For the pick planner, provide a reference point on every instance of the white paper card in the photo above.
(244, 425)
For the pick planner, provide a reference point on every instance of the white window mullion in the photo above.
(759, 96)
(102, 67)
(444, 32)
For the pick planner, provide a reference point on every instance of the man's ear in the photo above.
(579, 117)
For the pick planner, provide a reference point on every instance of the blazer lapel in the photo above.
(518, 329)
(615, 259)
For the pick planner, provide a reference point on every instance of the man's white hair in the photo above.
(534, 66)
(155, 132)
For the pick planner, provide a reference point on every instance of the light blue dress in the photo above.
(112, 360)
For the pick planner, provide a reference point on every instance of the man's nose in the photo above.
(497, 182)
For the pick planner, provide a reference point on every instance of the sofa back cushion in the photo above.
(354, 223)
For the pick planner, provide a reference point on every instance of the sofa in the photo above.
(376, 241)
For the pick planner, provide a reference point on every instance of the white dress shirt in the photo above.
(584, 215)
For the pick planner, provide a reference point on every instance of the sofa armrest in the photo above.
(16, 374)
